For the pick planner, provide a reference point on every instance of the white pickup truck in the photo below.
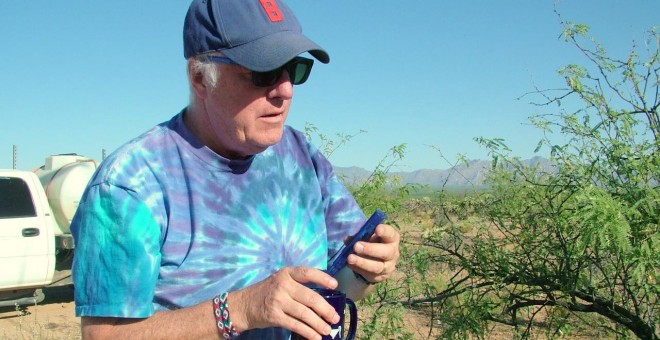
(36, 208)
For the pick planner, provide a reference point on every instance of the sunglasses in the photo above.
(298, 68)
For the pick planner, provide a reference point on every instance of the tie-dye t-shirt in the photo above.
(166, 223)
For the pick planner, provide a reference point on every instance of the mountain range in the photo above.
(471, 174)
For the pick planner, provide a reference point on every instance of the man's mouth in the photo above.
(272, 117)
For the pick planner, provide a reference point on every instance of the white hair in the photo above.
(209, 70)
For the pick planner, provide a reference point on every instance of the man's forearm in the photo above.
(195, 322)
(354, 288)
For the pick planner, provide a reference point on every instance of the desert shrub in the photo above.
(578, 246)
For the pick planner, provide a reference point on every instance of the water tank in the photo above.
(64, 178)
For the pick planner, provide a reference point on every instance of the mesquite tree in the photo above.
(579, 241)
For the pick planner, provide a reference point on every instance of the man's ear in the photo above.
(197, 82)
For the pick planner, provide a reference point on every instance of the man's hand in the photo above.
(376, 259)
(283, 301)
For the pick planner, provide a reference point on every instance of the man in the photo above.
(217, 221)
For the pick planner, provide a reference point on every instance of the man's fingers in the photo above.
(313, 275)
(377, 259)
(317, 309)
(377, 251)
(370, 266)
(384, 245)
(304, 321)
(309, 313)
(387, 233)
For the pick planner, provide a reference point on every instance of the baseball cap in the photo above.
(260, 35)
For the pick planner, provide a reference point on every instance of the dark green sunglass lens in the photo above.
(297, 73)
(298, 69)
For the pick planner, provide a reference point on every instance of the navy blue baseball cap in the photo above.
(260, 35)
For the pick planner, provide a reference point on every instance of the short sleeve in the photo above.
(117, 255)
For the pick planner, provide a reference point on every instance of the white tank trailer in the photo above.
(64, 178)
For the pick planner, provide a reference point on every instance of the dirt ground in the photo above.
(53, 318)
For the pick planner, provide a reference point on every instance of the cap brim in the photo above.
(273, 51)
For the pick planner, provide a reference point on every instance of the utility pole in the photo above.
(15, 157)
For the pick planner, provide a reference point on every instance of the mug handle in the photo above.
(352, 324)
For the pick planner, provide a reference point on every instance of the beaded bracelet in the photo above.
(221, 313)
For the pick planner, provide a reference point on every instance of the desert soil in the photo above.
(53, 318)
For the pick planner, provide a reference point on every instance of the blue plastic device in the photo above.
(339, 261)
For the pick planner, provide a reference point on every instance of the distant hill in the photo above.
(472, 174)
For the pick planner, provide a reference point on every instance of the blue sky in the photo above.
(83, 76)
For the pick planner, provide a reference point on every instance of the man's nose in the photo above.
(284, 88)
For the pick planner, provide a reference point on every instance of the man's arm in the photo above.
(354, 288)
(279, 301)
(195, 322)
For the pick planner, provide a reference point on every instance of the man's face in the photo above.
(245, 119)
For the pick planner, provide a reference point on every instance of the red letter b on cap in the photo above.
(273, 11)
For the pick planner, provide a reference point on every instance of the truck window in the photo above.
(15, 198)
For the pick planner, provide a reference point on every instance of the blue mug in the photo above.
(338, 301)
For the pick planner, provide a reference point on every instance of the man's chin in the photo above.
(264, 143)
